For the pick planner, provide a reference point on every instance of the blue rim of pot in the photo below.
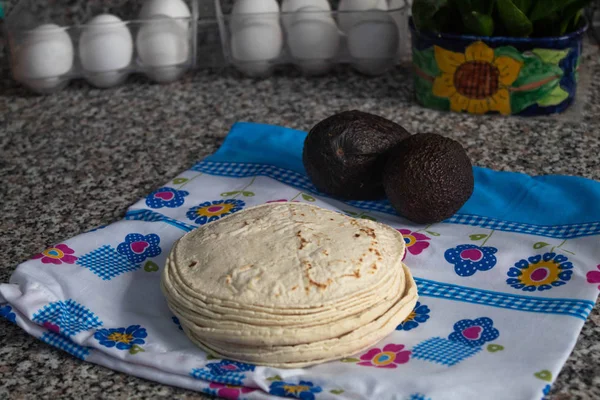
(492, 39)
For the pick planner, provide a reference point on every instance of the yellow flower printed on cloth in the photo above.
(476, 81)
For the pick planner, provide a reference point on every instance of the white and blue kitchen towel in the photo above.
(505, 285)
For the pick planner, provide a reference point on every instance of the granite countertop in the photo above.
(77, 159)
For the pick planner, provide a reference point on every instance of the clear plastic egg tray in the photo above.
(52, 42)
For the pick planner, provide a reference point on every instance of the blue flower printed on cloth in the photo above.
(107, 263)
(166, 197)
(469, 258)
(304, 390)
(467, 340)
(540, 272)
(474, 332)
(225, 371)
(65, 344)
(419, 315)
(66, 317)
(418, 396)
(137, 247)
(121, 338)
(6, 312)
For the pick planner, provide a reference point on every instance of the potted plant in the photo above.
(513, 57)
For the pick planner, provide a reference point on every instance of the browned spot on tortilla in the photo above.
(307, 289)
(374, 266)
(193, 264)
(294, 288)
(228, 279)
(355, 274)
(246, 267)
(303, 214)
(360, 259)
(325, 252)
(246, 223)
(303, 242)
(318, 284)
(353, 222)
(357, 235)
(369, 232)
(331, 219)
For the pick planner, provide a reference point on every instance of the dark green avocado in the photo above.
(428, 178)
(344, 155)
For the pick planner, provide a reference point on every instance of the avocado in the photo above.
(344, 155)
(428, 178)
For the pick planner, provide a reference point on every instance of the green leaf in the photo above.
(433, 233)
(368, 217)
(425, 61)
(151, 266)
(571, 15)
(540, 245)
(336, 391)
(478, 237)
(423, 12)
(551, 56)
(545, 8)
(478, 24)
(536, 70)
(523, 5)
(274, 378)
(179, 181)
(248, 194)
(229, 194)
(557, 96)
(351, 212)
(349, 360)
(135, 349)
(509, 51)
(425, 96)
(567, 251)
(514, 20)
(308, 198)
(211, 357)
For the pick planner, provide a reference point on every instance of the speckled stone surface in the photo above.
(76, 159)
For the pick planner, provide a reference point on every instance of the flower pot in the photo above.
(506, 75)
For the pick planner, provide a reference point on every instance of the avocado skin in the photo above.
(428, 178)
(344, 155)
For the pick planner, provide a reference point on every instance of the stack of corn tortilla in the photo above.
(288, 285)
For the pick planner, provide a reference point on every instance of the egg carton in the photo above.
(52, 42)
(257, 36)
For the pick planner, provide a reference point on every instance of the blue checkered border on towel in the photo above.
(571, 307)
(299, 181)
(65, 344)
(233, 378)
(70, 316)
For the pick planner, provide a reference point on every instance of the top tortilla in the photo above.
(286, 256)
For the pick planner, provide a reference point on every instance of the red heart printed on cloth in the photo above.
(471, 254)
(473, 333)
(139, 247)
(166, 196)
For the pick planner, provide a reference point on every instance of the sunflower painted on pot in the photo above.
(477, 81)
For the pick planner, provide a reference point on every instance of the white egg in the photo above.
(294, 5)
(251, 12)
(255, 46)
(352, 11)
(313, 40)
(177, 9)
(163, 48)
(105, 48)
(373, 42)
(45, 54)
